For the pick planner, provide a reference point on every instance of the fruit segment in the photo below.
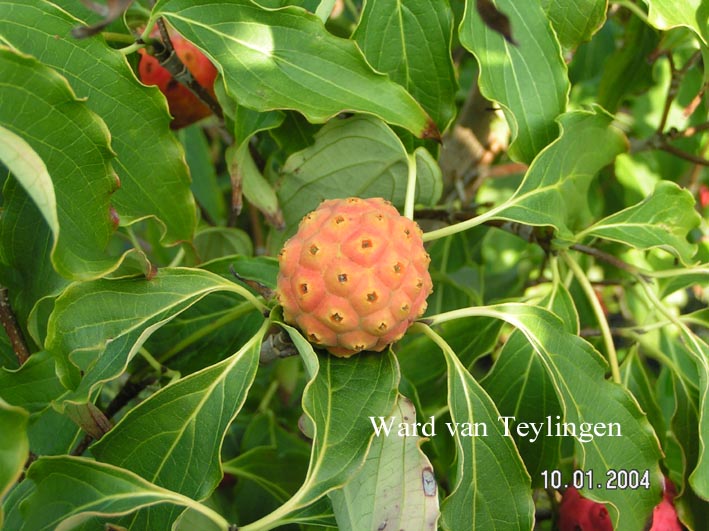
(185, 107)
(355, 275)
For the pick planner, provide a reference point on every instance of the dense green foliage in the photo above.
(554, 154)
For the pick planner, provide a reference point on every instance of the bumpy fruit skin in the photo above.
(355, 275)
(577, 513)
(664, 516)
(184, 106)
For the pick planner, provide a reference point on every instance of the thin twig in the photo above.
(669, 148)
(9, 323)
(82, 446)
(608, 258)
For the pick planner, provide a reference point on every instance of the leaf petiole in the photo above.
(600, 316)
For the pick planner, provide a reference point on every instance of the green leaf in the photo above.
(636, 379)
(14, 446)
(575, 22)
(150, 162)
(697, 351)
(205, 184)
(663, 219)
(339, 399)
(693, 14)
(521, 387)
(269, 468)
(73, 142)
(207, 402)
(97, 327)
(30, 171)
(72, 490)
(26, 242)
(680, 278)
(285, 59)
(578, 374)
(627, 71)
(34, 385)
(492, 488)
(528, 80)
(396, 487)
(555, 187)
(212, 243)
(360, 156)
(247, 178)
(410, 40)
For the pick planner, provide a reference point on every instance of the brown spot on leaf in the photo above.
(431, 131)
(495, 19)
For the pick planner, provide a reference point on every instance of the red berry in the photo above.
(664, 516)
(577, 513)
(355, 275)
(704, 196)
(184, 106)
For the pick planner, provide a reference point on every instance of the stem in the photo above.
(608, 258)
(462, 226)
(600, 316)
(410, 187)
(118, 37)
(134, 239)
(267, 396)
(9, 323)
(131, 48)
(157, 366)
(177, 260)
(671, 317)
(630, 6)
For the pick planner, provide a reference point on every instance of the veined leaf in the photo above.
(14, 446)
(522, 388)
(73, 143)
(339, 399)
(529, 79)
(693, 14)
(555, 187)
(208, 401)
(396, 487)
(694, 350)
(72, 490)
(578, 374)
(662, 220)
(575, 22)
(492, 488)
(97, 327)
(150, 162)
(285, 59)
(410, 40)
(30, 171)
(359, 156)
(34, 385)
